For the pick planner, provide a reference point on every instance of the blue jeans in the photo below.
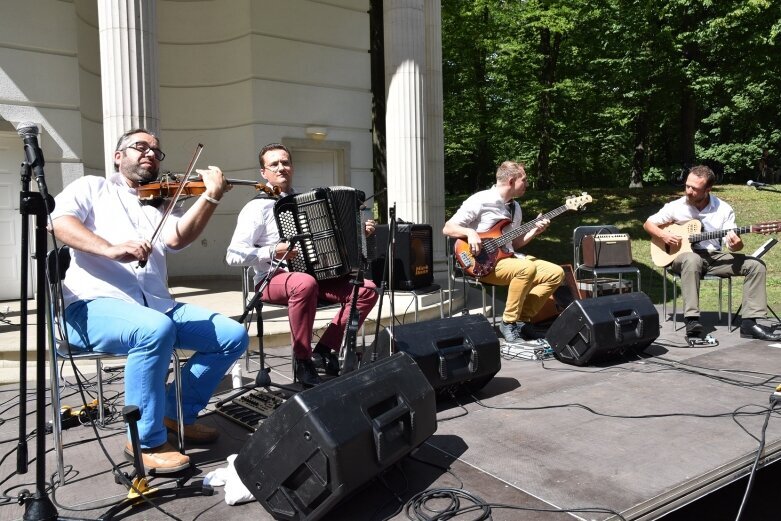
(148, 338)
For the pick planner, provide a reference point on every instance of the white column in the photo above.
(435, 140)
(405, 63)
(128, 69)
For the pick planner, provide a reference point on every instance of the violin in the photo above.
(167, 187)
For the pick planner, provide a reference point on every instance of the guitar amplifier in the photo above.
(613, 249)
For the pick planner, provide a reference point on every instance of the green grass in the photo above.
(628, 209)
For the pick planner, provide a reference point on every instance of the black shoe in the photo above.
(510, 332)
(527, 331)
(693, 326)
(306, 373)
(758, 332)
(326, 360)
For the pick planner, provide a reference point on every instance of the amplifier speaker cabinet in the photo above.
(600, 251)
(324, 443)
(561, 298)
(414, 264)
(456, 354)
(600, 328)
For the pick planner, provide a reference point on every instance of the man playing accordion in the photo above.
(256, 243)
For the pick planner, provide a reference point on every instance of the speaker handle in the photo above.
(467, 349)
(385, 423)
(633, 317)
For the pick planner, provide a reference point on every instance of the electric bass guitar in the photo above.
(662, 254)
(493, 240)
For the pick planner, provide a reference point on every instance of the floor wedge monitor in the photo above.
(595, 329)
(456, 354)
(324, 443)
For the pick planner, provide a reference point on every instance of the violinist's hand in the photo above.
(214, 182)
(129, 251)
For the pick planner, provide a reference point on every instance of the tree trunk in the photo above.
(484, 167)
(550, 53)
(379, 150)
(638, 158)
(688, 126)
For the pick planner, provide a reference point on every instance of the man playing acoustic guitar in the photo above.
(530, 281)
(706, 257)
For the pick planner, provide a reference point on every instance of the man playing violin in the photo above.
(530, 281)
(706, 257)
(256, 242)
(115, 306)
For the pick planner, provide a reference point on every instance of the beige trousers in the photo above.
(530, 282)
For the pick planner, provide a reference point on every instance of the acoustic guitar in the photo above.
(662, 254)
(493, 239)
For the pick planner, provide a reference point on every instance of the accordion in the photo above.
(337, 245)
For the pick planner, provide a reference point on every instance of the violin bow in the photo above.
(174, 199)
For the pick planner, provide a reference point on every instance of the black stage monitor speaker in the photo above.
(599, 328)
(324, 443)
(456, 354)
(414, 265)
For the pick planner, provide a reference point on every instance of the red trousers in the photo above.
(300, 292)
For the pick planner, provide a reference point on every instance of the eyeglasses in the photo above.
(143, 147)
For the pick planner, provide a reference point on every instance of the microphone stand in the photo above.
(263, 379)
(37, 506)
(347, 354)
(767, 188)
(387, 283)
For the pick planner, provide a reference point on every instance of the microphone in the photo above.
(757, 184)
(33, 154)
(299, 237)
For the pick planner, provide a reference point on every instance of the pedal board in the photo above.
(250, 410)
(696, 341)
(527, 350)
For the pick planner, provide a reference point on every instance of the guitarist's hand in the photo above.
(734, 242)
(670, 239)
(541, 225)
(475, 242)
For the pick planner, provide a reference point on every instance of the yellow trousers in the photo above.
(530, 282)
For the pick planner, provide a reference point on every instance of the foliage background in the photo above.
(609, 92)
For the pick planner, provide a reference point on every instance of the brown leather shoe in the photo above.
(164, 459)
(195, 432)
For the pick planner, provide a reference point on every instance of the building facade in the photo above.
(232, 75)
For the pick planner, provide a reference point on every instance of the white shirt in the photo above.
(481, 211)
(111, 209)
(716, 216)
(254, 238)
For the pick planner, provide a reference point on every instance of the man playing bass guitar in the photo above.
(530, 281)
(706, 257)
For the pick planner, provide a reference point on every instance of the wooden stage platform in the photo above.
(639, 436)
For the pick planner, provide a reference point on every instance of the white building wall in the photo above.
(234, 75)
(39, 81)
(237, 74)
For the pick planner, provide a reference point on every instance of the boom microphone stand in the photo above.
(37, 506)
(263, 378)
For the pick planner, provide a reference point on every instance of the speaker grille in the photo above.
(414, 263)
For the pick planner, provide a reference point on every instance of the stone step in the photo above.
(224, 296)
